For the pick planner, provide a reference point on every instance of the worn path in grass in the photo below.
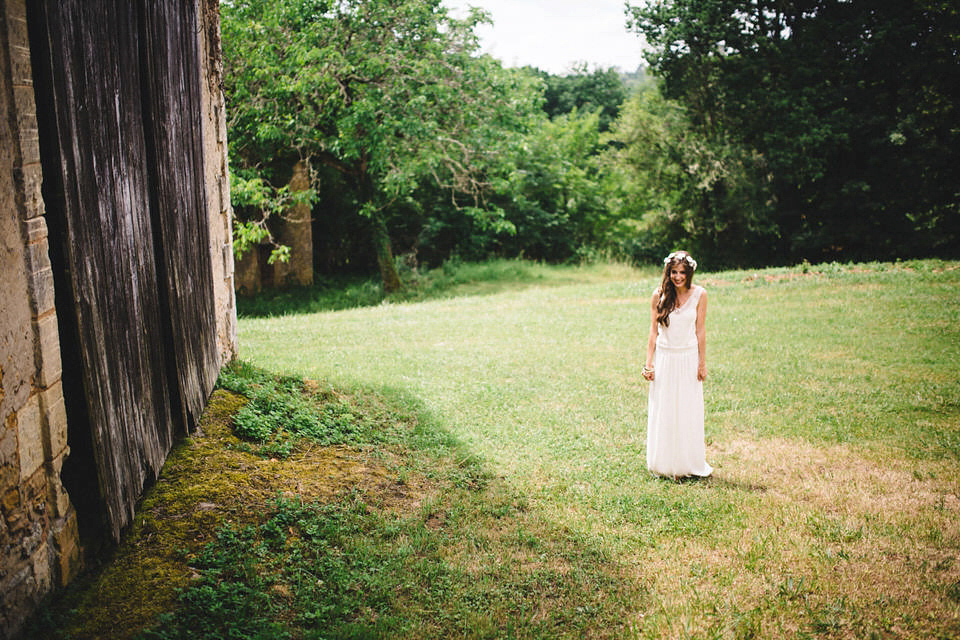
(833, 422)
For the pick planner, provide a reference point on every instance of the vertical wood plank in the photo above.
(170, 68)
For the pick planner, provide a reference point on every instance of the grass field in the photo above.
(833, 421)
(468, 461)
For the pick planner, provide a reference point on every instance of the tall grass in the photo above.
(833, 406)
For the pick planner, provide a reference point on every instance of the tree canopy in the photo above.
(585, 91)
(761, 133)
(846, 113)
(386, 93)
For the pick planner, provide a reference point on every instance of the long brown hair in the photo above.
(668, 292)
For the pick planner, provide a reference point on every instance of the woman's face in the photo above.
(678, 275)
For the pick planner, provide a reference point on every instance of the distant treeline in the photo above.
(753, 134)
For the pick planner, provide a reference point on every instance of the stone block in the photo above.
(227, 260)
(31, 177)
(15, 10)
(15, 586)
(43, 295)
(49, 337)
(38, 254)
(43, 569)
(66, 541)
(24, 100)
(11, 500)
(6, 542)
(8, 457)
(21, 72)
(59, 498)
(32, 540)
(30, 438)
(16, 27)
(55, 411)
(10, 491)
(17, 523)
(34, 492)
(28, 138)
(37, 230)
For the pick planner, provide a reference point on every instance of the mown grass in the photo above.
(453, 278)
(473, 465)
(833, 411)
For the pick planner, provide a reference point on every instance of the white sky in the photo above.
(553, 35)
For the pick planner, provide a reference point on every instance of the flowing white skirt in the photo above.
(675, 443)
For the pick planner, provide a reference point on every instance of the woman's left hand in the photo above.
(702, 372)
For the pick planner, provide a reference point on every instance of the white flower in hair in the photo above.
(686, 258)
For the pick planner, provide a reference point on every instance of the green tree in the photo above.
(387, 93)
(553, 190)
(848, 108)
(585, 92)
(675, 186)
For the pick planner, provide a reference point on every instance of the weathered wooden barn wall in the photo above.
(124, 134)
(116, 287)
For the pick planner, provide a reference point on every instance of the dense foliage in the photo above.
(776, 132)
(583, 90)
(383, 94)
(834, 124)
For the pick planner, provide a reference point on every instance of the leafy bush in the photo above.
(280, 411)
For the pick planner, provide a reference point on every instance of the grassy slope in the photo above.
(833, 408)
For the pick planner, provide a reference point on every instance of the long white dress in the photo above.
(675, 443)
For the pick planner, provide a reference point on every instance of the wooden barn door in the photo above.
(118, 103)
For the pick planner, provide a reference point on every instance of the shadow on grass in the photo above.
(405, 535)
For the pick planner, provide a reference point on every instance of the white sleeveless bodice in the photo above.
(682, 332)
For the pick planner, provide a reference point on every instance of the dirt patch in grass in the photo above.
(210, 480)
(838, 542)
(839, 479)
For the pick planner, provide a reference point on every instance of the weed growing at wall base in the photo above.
(282, 409)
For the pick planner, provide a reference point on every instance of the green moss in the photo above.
(210, 479)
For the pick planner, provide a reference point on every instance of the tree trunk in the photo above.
(384, 250)
(296, 232)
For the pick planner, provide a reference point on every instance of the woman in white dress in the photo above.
(676, 367)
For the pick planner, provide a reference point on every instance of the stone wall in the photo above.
(218, 179)
(38, 529)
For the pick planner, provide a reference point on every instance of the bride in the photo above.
(676, 367)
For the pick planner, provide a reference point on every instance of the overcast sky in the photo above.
(553, 35)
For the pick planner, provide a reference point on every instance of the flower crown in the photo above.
(678, 255)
